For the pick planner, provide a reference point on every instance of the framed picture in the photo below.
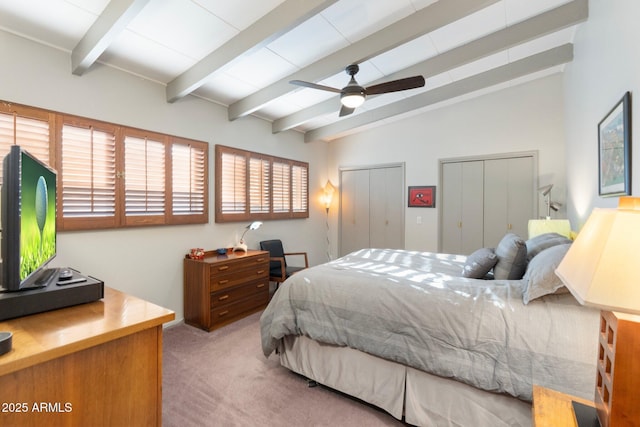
(614, 150)
(423, 196)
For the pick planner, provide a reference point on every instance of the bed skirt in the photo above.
(423, 399)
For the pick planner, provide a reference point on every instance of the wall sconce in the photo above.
(242, 246)
(328, 189)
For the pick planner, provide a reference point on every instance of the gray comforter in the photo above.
(413, 308)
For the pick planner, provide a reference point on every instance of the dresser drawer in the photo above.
(232, 295)
(229, 312)
(238, 264)
(238, 276)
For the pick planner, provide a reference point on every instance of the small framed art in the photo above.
(614, 150)
(423, 196)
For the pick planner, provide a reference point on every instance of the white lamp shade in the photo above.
(352, 100)
(602, 267)
(541, 226)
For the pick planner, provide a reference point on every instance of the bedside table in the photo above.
(553, 409)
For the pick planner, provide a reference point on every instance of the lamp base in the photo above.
(586, 416)
(240, 247)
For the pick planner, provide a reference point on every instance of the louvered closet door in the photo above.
(354, 215)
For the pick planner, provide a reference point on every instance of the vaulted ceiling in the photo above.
(242, 54)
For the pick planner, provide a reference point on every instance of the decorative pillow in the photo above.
(540, 278)
(479, 263)
(537, 244)
(512, 258)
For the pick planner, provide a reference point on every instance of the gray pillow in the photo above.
(540, 278)
(512, 258)
(479, 263)
(537, 244)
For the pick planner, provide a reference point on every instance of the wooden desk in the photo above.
(92, 364)
(553, 409)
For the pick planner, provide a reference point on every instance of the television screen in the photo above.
(28, 219)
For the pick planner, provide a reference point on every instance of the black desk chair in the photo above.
(279, 271)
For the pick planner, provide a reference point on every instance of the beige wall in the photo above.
(525, 117)
(606, 64)
(147, 262)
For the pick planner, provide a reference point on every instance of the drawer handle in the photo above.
(222, 282)
(260, 259)
(223, 267)
(222, 313)
(259, 271)
(223, 297)
(261, 285)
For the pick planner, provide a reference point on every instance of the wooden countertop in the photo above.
(45, 336)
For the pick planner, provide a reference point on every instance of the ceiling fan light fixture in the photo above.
(352, 100)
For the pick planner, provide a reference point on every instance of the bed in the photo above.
(417, 335)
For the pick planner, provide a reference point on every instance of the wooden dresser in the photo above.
(221, 289)
(93, 364)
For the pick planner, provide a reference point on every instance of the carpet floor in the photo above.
(222, 378)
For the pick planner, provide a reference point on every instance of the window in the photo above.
(253, 186)
(112, 176)
(30, 128)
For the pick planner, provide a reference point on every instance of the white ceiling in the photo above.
(243, 53)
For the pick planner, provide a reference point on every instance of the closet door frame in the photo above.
(402, 189)
(534, 191)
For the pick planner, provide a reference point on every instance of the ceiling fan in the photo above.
(353, 95)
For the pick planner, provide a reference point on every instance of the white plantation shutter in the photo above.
(188, 171)
(144, 176)
(259, 185)
(32, 134)
(88, 172)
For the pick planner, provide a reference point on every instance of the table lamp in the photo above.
(601, 270)
(241, 246)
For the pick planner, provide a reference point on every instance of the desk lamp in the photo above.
(601, 270)
(242, 246)
(548, 225)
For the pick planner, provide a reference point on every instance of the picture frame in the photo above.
(422, 196)
(614, 150)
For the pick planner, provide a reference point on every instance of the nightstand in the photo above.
(554, 409)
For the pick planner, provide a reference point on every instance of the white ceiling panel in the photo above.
(239, 13)
(145, 57)
(303, 44)
(182, 26)
(55, 22)
(177, 43)
(483, 22)
(356, 19)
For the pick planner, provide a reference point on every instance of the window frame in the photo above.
(119, 219)
(247, 214)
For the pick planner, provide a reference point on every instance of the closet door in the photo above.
(386, 208)
(462, 207)
(354, 210)
(509, 198)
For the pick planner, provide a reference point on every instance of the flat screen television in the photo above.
(28, 210)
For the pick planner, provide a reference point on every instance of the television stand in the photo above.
(50, 296)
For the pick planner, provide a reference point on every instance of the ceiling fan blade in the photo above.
(396, 85)
(314, 86)
(345, 111)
